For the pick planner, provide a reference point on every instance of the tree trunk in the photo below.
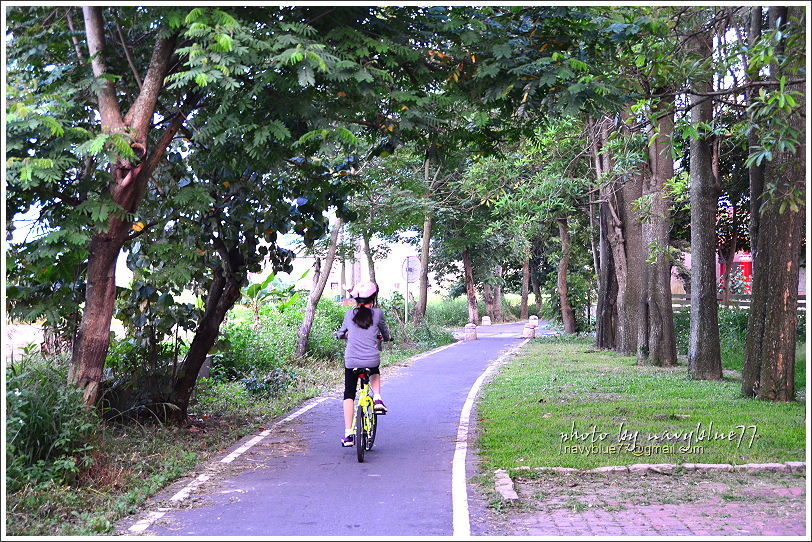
(523, 311)
(343, 267)
(704, 355)
(606, 318)
(730, 257)
(658, 319)
(596, 259)
(622, 231)
(127, 188)
(315, 294)
(468, 272)
(497, 295)
(567, 314)
(370, 259)
(93, 337)
(629, 250)
(223, 293)
(534, 282)
(488, 298)
(755, 172)
(423, 291)
(357, 275)
(769, 357)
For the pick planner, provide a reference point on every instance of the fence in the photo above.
(679, 301)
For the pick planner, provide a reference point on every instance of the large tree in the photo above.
(777, 116)
(264, 83)
(111, 104)
(704, 355)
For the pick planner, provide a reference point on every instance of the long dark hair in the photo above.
(363, 315)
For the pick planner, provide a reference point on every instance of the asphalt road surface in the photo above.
(299, 481)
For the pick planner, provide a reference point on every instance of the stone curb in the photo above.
(504, 485)
(667, 468)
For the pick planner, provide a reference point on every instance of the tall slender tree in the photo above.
(704, 354)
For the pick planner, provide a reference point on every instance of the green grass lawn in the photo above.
(562, 403)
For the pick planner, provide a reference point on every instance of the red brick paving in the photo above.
(717, 507)
(708, 519)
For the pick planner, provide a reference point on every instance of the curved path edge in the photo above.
(459, 480)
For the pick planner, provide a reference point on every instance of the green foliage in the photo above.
(428, 335)
(580, 294)
(448, 312)
(270, 384)
(258, 354)
(153, 320)
(49, 433)
(737, 286)
(214, 396)
(271, 291)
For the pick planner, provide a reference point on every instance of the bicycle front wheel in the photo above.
(360, 434)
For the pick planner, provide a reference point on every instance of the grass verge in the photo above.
(565, 404)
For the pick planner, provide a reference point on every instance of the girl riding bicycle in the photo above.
(364, 327)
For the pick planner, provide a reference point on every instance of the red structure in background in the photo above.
(745, 263)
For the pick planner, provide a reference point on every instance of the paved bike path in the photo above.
(298, 481)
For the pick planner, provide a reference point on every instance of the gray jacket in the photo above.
(362, 344)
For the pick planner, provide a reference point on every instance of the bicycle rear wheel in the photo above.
(373, 429)
(360, 434)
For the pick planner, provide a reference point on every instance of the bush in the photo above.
(214, 397)
(49, 432)
(430, 336)
(258, 354)
(448, 312)
(270, 384)
(682, 329)
(127, 357)
(323, 343)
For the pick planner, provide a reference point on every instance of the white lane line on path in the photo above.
(184, 493)
(459, 482)
(154, 516)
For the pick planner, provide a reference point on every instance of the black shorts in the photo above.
(351, 380)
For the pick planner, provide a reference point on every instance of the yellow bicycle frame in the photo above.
(366, 402)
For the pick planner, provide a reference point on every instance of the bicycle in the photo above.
(365, 419)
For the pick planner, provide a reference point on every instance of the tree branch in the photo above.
(127, 53)
(176, 123)
(139, 117)
(75, 41)
(108, 105)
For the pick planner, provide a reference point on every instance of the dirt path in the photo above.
(694, 503)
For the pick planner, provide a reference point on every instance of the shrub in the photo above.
(682, 329)
(214, 397)
(270, 384)
(732, 335)
(322, 343)
(128, 357)
(448, 312)
(49, 432)
(253, 354)
(429, 335)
